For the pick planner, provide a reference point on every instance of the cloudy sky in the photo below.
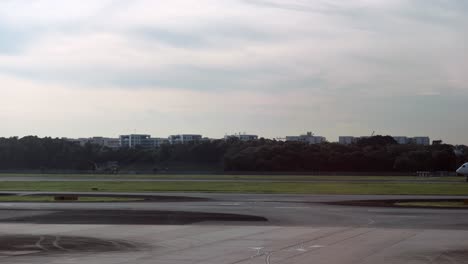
(272, 67)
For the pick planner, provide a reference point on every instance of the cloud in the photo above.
(26, 13)
(74, 110)
(303, 56)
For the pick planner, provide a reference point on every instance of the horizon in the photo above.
(280, 138)
(271, 67)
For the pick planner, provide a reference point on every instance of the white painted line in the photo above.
(258, 249)
(316, 246)
(56, 243)
(291, 207)
(17, 253)
(268, 257)
(38, 243)
(230, 204)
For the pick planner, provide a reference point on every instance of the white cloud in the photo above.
(74, 111)
(25, 13)
(187, 59)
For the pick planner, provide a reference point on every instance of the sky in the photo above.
(81, 68)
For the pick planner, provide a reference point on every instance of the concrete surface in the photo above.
(230, 228)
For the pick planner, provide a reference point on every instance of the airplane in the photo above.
(463, 170)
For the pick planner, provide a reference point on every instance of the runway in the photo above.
(232, 228)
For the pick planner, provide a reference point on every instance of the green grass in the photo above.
(31, 198)
(235, 177)
(458, 204)
(246, 187)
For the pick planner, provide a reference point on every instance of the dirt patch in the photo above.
(20, 245)
(395, 203)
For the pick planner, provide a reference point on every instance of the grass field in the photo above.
(14, 198)
(235, 177)
(245, 187)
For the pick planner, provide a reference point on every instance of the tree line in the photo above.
(376, 154)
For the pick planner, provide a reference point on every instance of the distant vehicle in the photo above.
(463, 169)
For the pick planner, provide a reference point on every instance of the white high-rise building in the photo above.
(135, 140)
(141, 140)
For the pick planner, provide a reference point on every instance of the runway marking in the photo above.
(301, 248)
(230, 204)
(268, 257)
(258, 249)
(334, 243)
(371, 221)
(291, 207)
(7, 253)
(38, 243)
(56, 244)
(316, 246)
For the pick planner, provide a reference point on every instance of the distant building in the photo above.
(156, 142)
(242, 137)
(402, 140)
(105, 142)
(101, 141)
(425, 141)
(184, 138)
(307, 138)
(141, 140)
(73, 140)
(347, 140)
(134, 140)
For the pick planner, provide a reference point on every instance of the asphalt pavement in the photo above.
(231, 228)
